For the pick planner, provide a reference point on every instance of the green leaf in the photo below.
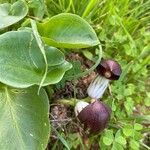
(74, 140)
(107, 141)
(61, 138)
(90, 7)
(38, 7)
(88, 54)
(138, 126)
(11, 14)
(119, 138)
(68, 31)
(70, 74)
(24, 122)
(22, 63)
(108, 137)
(128, 130)
(129, 104)
(113, 106)
(117, 146)
(134, 144)
(54, 56)
(147, 99)
(126, 71)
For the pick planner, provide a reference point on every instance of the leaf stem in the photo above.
(41, 46)
(92, 68)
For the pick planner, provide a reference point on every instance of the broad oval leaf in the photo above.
(22, 63)
(54, 56)
(10, 14)
(24, 123)
(68, 31)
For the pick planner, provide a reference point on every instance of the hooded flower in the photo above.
(94, 116)
(107, 70)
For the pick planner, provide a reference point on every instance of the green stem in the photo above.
(92, 68)
(73, 101)
(144, 145)
(114, 126)
(68, 102)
